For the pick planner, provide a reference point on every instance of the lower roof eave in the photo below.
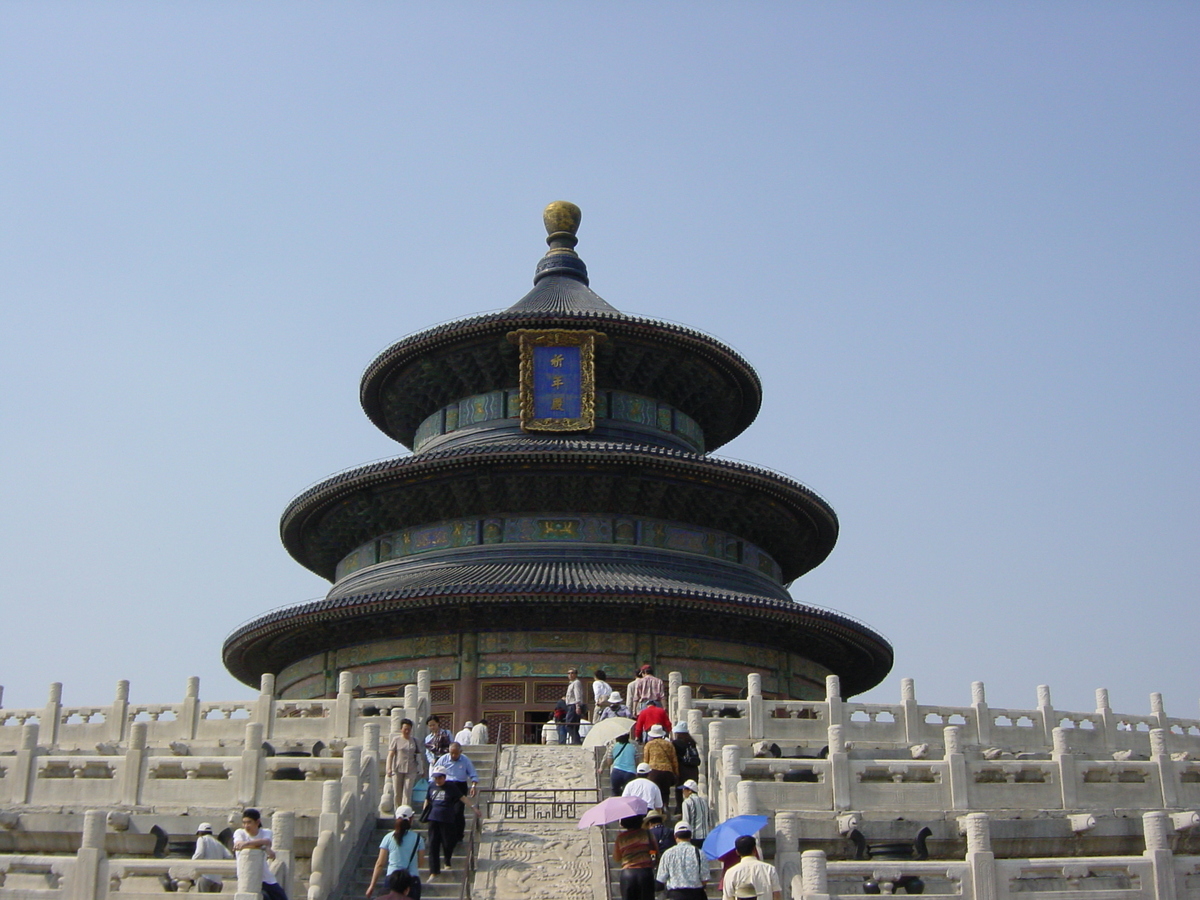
(860, 656)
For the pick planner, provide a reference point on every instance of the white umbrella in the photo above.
(603, 732)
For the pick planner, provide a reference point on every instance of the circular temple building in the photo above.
(559, 507)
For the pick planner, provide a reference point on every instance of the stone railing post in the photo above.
(695, 724)
(371, 742)
(424, 698)
(343, 711)
(283, 842)
(710, 771)
(814, 876)
(674, 682)
(731, 777)
(1107, 722)
(1062, 755)
(331, 801)
(983, 718)
(1159, 711)
(134, 772)
(1156, 826)
(24, 773)
(913, 726)
(89, 877)
(352, 771)
(1046, 712)
(956, 766)
(747, 801)
(52, 716)
(683, 703)
(754, 706)
(117, 718)
(980, 858)
(787, 831)
(253, 765)
(249, 874)
(189, 721)
(839, 768)
(835, 708)
(1167, 775)
(264, 706)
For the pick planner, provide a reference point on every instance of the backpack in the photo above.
(690, 756)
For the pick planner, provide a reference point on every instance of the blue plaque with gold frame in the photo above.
(557, 379)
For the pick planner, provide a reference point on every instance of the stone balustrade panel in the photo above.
(1013, 784)
(77, 780)
(1107, 784)
(897, 784)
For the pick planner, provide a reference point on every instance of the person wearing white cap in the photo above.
(660, 754)
(681, 868)
(615, 708)
(695, 811)
(401, 850)
(645, 788)
(464, 735)
(208, 847)
(441, 811)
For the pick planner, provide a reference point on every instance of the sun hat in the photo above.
(654, 816)
(614, 697)
(683, 828)
(643, 768)
(205, 828)
(405, 812)
(690, 785)
(657, 731)
(680, 728)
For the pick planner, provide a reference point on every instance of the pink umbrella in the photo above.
(613, 809)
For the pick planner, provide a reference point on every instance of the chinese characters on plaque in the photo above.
(557, 379)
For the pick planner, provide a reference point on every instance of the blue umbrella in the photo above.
(720, 840)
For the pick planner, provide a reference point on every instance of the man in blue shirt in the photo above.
(460, 777)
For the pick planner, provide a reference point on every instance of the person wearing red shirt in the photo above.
(649, 717)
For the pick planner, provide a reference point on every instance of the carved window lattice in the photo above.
(500, 726)
(503, 693)
(548, 693)
(441, 693)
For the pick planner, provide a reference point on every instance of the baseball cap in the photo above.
(405, 812)
(205, 828)
(643, 768)
(683, 828)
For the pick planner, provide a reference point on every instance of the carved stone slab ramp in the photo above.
(532, 848)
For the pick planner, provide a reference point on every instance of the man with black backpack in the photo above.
(682, 869)
(688, 755)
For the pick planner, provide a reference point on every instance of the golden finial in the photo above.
(561, 216)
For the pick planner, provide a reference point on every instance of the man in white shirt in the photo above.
(576, 707)
(479, 734)
(645, 788)
(252, 836)
(464, 735)
(208, 847)
(751, 871)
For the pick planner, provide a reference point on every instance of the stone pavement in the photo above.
(527, 853)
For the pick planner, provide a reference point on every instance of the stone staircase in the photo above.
(449, 884)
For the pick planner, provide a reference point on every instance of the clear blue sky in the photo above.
(958, 241)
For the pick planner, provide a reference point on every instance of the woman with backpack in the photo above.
(401, 851)
(688, 754)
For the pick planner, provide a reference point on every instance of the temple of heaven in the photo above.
(559, 507)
